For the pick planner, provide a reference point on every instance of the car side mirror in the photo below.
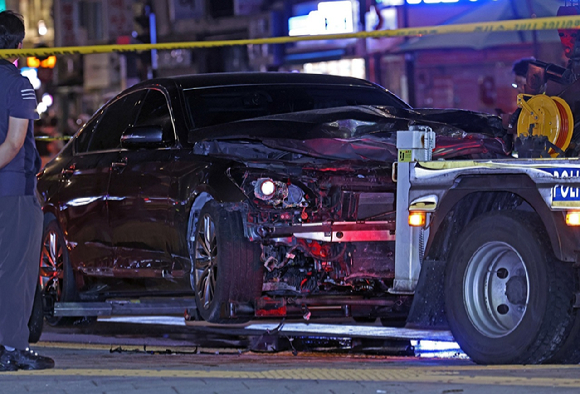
(143, 137)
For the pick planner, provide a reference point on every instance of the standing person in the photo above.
(20, 213)
(530, 75)
(521, 84)
(520, 71)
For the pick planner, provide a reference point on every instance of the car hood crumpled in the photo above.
(360, 133)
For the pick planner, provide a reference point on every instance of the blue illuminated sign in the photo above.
(564, 193)
(325, 17)
(414, 2)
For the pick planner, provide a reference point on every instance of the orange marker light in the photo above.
(32, 62)
(417, 219)
(573, 218)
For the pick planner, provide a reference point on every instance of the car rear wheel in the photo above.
(508, 299)
(57, 280)
(225, 265)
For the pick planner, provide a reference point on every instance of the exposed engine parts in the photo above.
(314, 267)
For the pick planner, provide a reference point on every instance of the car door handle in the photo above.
(68, 171)
(119, 165)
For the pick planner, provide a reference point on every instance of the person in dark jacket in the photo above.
(20, 212)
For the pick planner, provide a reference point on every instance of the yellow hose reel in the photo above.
(548, 116)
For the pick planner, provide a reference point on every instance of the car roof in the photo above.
(260, 78)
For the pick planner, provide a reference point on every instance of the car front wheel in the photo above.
(226, 266)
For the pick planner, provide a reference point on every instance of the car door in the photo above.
(85, 182)
(139, 199)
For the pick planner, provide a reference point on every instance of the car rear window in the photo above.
(212, 106)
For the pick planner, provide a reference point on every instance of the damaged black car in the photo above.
(257, 194)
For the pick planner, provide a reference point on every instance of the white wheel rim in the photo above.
(205, 261)
(52, 264)
(496, 289)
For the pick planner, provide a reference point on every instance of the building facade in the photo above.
(461, 72)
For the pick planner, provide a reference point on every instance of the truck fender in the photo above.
(460, 205)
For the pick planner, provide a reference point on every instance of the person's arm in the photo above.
(17, 129)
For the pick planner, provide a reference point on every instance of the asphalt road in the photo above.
(112, 357)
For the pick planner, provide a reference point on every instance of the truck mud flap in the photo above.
(428, 308)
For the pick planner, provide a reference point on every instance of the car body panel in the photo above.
(83, 210)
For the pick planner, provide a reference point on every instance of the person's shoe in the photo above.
(6, 363)
(26, 359)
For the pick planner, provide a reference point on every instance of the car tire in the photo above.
(36, 321)
(508, 299)
(225, 265)
(57, 280)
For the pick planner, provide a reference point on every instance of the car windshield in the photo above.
(213, 106)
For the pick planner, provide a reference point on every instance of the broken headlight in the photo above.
(278, 193)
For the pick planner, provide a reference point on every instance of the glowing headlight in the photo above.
(268, 187)
(277, 193)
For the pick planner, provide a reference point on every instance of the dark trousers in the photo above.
(20, 240)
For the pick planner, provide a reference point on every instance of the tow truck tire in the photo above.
(36, 321)
(56, 275)
(508, 299)
(569, 352)
(225, 265)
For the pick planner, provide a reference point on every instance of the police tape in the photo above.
(548, 23)
(45, 138)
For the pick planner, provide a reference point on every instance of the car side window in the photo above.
(85, 134)
(116, 117)
(155, 112)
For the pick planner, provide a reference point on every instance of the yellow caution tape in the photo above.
(43, 138)
(549, 23)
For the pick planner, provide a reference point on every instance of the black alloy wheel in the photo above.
(226, 267)
(206, 262)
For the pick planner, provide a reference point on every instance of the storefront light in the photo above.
(345, 67)
(42, 29)
(440, 1)
(32, 75)
(47, 99)
(41, 108)
(330, 17)
(390, 3)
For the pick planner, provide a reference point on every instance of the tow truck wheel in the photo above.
(569, 352)
(226, 266)
(56, 277)
(508, 299)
